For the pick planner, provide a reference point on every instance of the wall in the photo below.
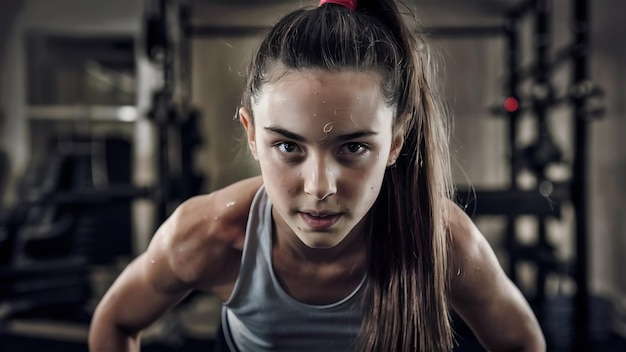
(219, 69)
(607, 174)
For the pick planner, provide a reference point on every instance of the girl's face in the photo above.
(323, 141)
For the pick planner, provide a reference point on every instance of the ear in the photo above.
(396, 147)
(245, 115)
(396, 144)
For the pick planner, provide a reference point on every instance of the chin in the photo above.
(316, 242)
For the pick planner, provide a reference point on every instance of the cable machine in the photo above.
(546, 199)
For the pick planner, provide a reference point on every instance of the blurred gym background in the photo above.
(113, 112)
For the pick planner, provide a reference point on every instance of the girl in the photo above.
(348, 240)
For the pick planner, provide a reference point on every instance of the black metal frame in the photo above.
(581, 26)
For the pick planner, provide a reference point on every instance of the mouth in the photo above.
(319, 220)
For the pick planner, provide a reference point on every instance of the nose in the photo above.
(320, 179)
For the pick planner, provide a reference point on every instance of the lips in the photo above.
(319, 220)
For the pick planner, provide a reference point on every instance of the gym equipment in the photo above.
(176, 119)
(74, 207)
(545, 199)
(61, 228)
(543, 152)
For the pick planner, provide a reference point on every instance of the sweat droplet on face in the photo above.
(152, 261)
(230, 204)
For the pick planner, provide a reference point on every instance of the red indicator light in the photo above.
(511, 104)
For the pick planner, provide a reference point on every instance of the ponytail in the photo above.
(407, 284)
(406, 298)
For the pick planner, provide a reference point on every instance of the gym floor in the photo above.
(16, 343)
(63, 336)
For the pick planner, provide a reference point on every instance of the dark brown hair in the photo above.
(407, 291)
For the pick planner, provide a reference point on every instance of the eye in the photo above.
(353, 148)
(287, 147)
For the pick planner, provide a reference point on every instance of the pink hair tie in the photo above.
(351, 4)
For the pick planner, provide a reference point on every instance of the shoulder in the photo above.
(464, 235)
(206, 232)
(472, 262)
(216, 216)
(483, 295)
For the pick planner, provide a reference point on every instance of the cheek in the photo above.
(365, 183)
(270, 164)
(278, 176)
(376, 177)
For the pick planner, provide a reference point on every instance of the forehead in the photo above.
(302, 83)
(328, 97)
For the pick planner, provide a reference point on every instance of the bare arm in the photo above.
(148, 287)
(198, 247)
(132, 303)
(483, 295)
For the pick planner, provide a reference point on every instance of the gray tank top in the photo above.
(261, 316)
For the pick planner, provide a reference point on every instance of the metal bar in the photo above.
(511, 247)
(217, 31)
(459, 32)
(162, 193)
(161, 113)
(562, 56)
(512, 62)
(542, 40)
(451, 32)
(581, 25)
(542, 270)
(184, 19)
(522, 9)
(107, 194)
(543, 256)
(541, 97)
(514, 202)
(123, 113)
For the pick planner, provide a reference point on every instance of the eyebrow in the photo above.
(283, 132)
(296, 137)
